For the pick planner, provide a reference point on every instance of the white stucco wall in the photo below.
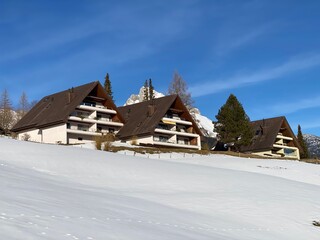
(33, 135)
(55, 134)
(199, 142)
(145, 140)
(74, 138)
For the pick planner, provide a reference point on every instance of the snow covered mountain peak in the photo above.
(137, 98)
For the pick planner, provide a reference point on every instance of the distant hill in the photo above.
(313, 143)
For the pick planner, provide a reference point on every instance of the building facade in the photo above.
(161, 122)
(274, 137)
(76, 115)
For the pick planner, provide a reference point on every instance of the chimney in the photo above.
(70, 95)
(128, 114)
(261, 130)
(151, 109)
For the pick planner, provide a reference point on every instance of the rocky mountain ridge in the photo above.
(313, 144)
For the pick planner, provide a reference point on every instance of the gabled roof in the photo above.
(266, 131)
(140, 121)
(55, 109)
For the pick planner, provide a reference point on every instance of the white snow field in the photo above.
(59, 192)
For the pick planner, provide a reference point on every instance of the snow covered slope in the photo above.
(58, 192)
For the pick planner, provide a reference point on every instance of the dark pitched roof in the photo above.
(55, 109)
(266, 131)
(140, 121)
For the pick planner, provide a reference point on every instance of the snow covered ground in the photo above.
(59, 192)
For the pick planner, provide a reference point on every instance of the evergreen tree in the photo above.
(233, 125)
(107, 86)
(151, 89)
(146, 91)
(179, 86)
(24, 106)
(305, 153)
(6, 115)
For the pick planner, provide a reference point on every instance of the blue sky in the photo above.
(267, 53)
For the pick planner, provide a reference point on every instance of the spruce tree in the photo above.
(233, 125)
(151, 89)
(302, 142)
(107, 86)
(146, 91)
(179, 86)
(6, 115)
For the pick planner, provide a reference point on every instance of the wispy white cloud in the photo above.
(236, 39)
(310, 125)
(295, 106)
(122, 27)
(291, 66)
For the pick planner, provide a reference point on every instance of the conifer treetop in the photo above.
(233, 125)
(107, 86)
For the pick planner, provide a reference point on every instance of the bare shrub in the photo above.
(98, 142)
(134, 141)
(26, 137)
(107, 140)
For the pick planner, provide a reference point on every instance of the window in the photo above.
(80, 139)
(289, 152)
(160, 138)
(163, 139)
(91, 104)
(83, 127)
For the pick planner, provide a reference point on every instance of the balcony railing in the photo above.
(174, 144)
(94, 107)
(174, 132)
(102, 121)
(176, 120)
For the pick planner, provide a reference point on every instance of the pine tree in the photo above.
(233, 125)
(107, 86)
(146, 91)
(151, 89)
(302, 142)
(179, 86)
(6, 115)
(24, 106)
